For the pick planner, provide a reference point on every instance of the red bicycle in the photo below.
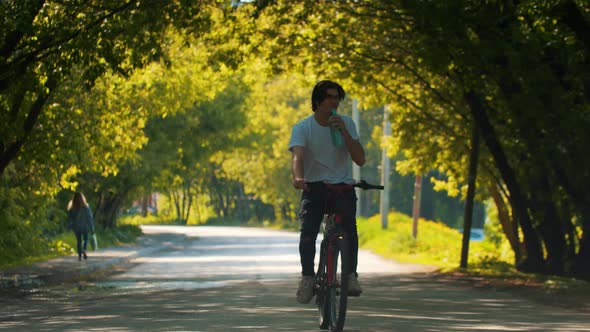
(334, 265)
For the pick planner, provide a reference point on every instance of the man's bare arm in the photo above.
(297, 168)
(357, 153)
(354, 147)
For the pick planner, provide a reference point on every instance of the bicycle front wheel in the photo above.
(337, 289)
(321, 289)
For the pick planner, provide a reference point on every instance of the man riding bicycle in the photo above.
(315, 161)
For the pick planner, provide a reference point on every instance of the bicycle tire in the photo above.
(321, 289)
(337, 299)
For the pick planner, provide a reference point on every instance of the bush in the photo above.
(21, 230)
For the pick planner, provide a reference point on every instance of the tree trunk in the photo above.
(581, 267)
(10, 150)
(581, 205)
(509, 226)
(106, 210)
(188, 198)
(176, 201)
(572, 239)
(144, 206)
(226, 206)
(550, 225)
(472, 175)
(241, 204)
(216, 194)
(184, 200)
(534, 261)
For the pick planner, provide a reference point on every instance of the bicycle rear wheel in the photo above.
(337, 292)
(321, 289)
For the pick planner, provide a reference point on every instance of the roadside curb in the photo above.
(68, 268)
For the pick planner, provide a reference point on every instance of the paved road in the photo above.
(240, 279)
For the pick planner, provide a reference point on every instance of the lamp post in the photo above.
(416, 207)
(385, 169)
(356, 169)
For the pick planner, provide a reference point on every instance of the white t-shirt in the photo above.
(322, 160)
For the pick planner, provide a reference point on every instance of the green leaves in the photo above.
(63, 66)
(47, 44)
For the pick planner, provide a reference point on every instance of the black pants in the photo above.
(311, 215)
(81, 242)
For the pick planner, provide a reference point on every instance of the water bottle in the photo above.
(335, 133)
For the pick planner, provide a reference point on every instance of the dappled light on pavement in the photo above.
(201, 281)
(408, 303)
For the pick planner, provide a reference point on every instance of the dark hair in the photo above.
(78, 202)
(319, 92)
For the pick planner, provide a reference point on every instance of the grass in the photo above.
(435, 243)
(490, 265)
(137, 220)
(64, 244)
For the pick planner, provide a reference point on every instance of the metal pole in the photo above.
(356, 169)
(385, 170)
(416, 208)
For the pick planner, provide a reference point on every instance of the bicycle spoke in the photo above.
(338, 298)
(321, 289)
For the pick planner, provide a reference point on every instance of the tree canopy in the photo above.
(517, 70)
(183, 95)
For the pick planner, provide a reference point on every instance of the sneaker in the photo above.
(354, 287)
(305, 290)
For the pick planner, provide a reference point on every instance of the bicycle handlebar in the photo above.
(364, 185)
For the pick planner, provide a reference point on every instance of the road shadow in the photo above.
(410, 302)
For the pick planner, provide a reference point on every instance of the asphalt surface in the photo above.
(68, 269)
(236, 279)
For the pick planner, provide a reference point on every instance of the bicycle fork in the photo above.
(334, 238)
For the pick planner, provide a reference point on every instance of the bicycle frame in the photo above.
(332, 233)
(334, 246)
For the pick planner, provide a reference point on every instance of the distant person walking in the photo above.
(80, 221)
